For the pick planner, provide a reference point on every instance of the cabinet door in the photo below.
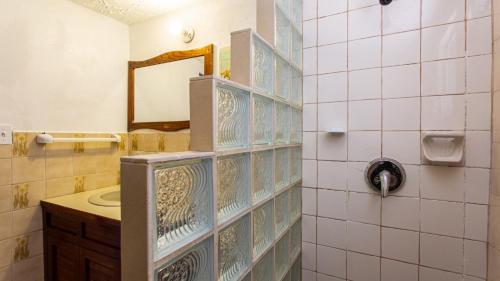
(96, 267)
(62, 260)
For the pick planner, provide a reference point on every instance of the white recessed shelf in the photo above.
(338, 131)
(443, 148)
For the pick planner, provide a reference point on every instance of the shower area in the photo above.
(408, 81)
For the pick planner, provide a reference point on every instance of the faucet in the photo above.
(385, 175)
(385, 182)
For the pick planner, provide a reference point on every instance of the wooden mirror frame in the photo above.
(207, 52)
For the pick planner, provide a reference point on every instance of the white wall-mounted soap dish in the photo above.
(336, 131)
(443, 148)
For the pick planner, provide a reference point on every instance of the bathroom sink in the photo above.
(106, 199)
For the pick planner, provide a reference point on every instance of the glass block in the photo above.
(296, 126)
(262, 127)
(281, 213)
(284, 6)
(296, 270)
(263, 175)
(295, 240)
(295, 164)
(183, 203)
(234, 250)
(296, 93)
(263, 67)
(282, 256)
(263, 270)
(282, 168)
(295, 201)
(233, 116)
(283, 78)
(297, 47)
(195, 264)
(283, 33)
(296, 14)
(233, 185)
(282, 124)
(263, 230)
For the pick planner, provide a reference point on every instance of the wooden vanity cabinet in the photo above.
(79, 246)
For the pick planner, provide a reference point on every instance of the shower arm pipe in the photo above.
(47, 138)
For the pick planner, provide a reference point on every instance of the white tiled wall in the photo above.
(385, 74)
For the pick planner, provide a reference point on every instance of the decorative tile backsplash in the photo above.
(30, 172)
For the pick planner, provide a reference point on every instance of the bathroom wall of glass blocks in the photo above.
(231, 209)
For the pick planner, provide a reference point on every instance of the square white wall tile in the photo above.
(310, 61)
(332, 87)
(443, 77)
(308, 275)
(309, 173)
(443, 42)
(402, 146)
(397, 271)
(476, 222)
(309, 229)
(309, 201)
(310, 8)
(365, 84)
(430, 274)
(332, 147)
(365, 115)
(478, 111)
(309, 145)
(401, 48)
(332, 115)
(332, 58)
(356, 4)
(332, 29)
(332, 261)
(365, 53)
(476, 258)
(332, 175)
(310, 87)
(477, 185)
(310, 33)
(332, 204)
(365, 22)
(401, 16)
(364, 145)
(401, 114)
(442, 183)
(310, 115)
(478, 8)
(400, 244)
(401, 81)
(356, 177)
(362, 267)
(322, 277)
(478, 149)
(364, 207)
(401, 212)
(443, 112)
(363, 238)
(332, 233)
(479, 74)
(442, 11)
(328, 7)
(479, 36)
(441, 252)
(309, 256)
(441, 217)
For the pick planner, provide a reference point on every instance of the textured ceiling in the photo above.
(133, 11)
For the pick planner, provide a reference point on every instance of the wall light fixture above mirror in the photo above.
(158, 88)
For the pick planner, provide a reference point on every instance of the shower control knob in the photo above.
(385, 175)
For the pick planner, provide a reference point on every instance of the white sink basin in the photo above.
(106, 198)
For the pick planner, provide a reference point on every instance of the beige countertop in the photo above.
(79, 202)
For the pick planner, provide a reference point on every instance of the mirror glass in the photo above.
(162, 90)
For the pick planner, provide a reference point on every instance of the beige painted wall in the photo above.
(64, 67)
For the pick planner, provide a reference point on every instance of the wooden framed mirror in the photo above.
(158, 88)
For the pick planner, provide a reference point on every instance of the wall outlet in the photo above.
(5, 134)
